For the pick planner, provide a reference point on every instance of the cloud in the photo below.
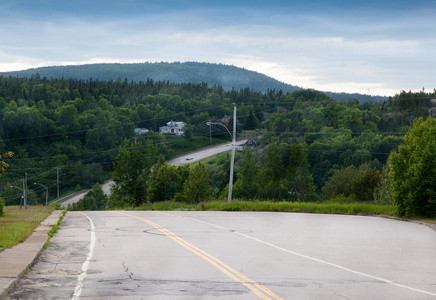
(318, 46)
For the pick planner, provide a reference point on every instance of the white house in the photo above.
(175, 128)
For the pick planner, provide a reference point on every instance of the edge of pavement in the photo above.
(17, 260)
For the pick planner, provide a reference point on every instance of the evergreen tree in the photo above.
(99, 196)
(248, 185)
(299, 181)
(197, 186)
(132, 170)
(164, 184)
(272, 174)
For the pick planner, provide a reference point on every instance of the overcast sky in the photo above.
(370, 47)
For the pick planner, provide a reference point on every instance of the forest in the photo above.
(312, 147)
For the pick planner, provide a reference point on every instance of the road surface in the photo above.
(106, 189)
(233, 255)
(201, 154)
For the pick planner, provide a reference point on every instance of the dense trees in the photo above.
(281, 172)
(166, 182)
(78, 125)
(140, 178)
(197, 186)
(3, 165)
(132, 171)
(95, 199)
(299, 182)
(354, 183)
(413, 171)
(247, 186)
(308, 139)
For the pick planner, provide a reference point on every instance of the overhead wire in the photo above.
(205, 131)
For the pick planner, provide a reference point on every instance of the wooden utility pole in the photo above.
(58, 168)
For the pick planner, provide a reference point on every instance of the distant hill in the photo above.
(188, 72)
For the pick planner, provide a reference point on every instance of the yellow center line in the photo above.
(223, 267)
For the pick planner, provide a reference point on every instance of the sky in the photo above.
(368, 47)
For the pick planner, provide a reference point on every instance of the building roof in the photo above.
(175, 124)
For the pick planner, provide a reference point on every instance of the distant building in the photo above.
(252, 142)
(174, 128)
(141, 130)
(226, 120)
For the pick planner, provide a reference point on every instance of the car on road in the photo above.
(189, 157)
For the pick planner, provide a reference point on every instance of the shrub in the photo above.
(413, 171)
(351, 181)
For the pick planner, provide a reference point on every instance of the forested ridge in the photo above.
(226, 76)
(313, 148)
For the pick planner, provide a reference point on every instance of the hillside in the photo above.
(189, 72)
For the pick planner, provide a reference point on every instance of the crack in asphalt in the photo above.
(126, 270)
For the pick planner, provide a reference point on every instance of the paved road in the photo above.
(73, 199)
(201, 154)
(106, 189)
(233, 255)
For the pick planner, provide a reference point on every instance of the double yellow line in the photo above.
(255, 287)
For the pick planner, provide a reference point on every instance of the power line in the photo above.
(109, 126)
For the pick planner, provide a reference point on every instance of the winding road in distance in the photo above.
(196, 155)
(204, 153)
(233, 255)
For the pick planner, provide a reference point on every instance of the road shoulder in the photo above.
(16, 260)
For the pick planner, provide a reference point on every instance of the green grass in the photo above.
(166, 205)
(17, 224)
(214, 160)
(319, 208)
(54, 229)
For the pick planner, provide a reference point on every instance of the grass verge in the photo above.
(54, 229)
(166, 205)
(17, 224)
(318, 208)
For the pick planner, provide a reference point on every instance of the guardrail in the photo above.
(61, 199)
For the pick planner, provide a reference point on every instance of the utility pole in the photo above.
(232, 163)
(25, 190)
(58, 168)
(22, 197)
(46, 192)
